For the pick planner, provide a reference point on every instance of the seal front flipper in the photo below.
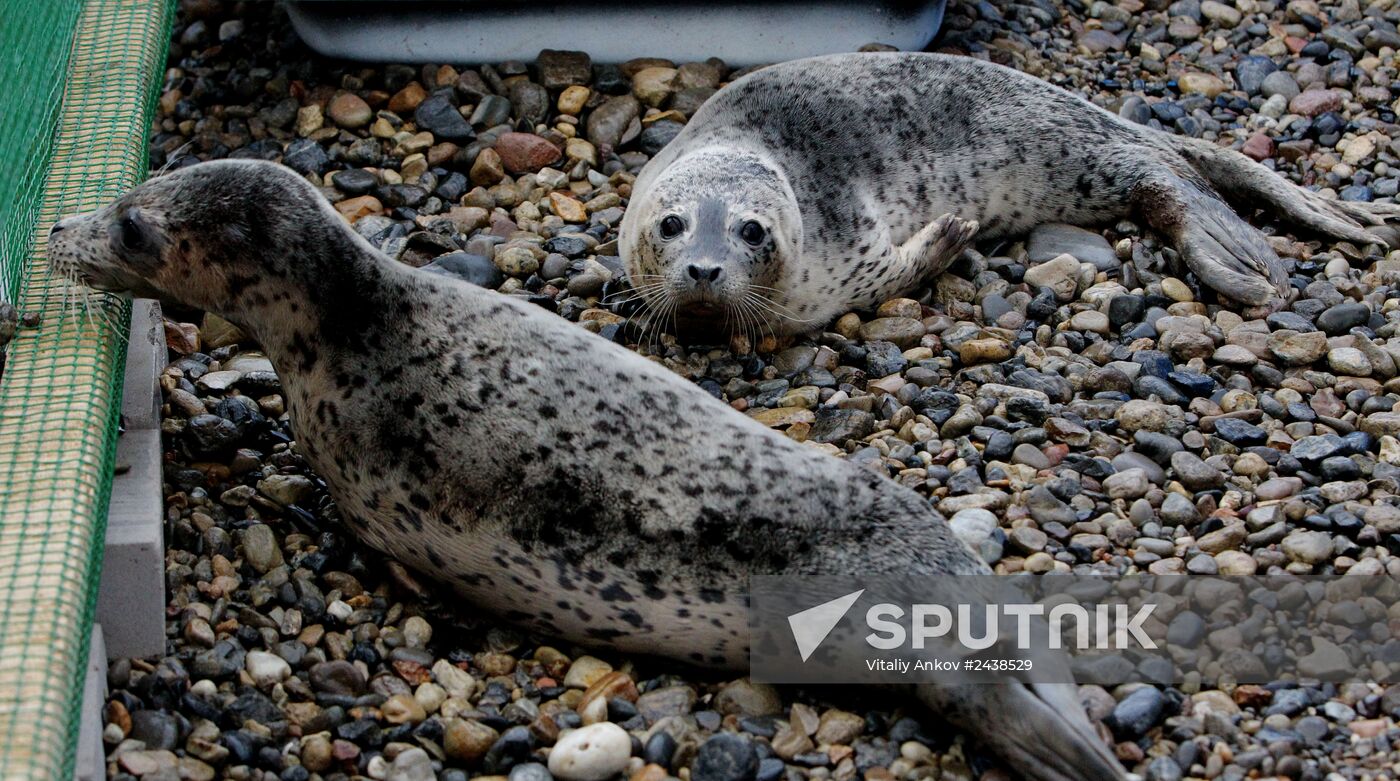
(926, 254)
(1225, 252)
(934, 248)
(1039, 728)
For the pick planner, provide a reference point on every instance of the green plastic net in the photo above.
(35, 43)
(78, 82)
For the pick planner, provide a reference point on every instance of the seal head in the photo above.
(200, 238)
(84, 251)
(711, 238)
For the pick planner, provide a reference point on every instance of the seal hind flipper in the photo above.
(1225, 252)
(1039, 728)
(1248, 182)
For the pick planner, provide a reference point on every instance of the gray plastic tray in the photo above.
(472, 31)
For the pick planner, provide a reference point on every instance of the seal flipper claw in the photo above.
(1039, 729)
(1225, 252)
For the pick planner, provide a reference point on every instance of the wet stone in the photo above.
(476, 269)
(337, 677)
(1125, 310)
(725, 757)
(512, 747)
(439, 116)
(354, 181)
(1049, 241)
(305, 157)
(1238, 432)
(1339, 319)
(492, 110)
(1137, 713)
(158, 730)
(836, 426)
(560, 69)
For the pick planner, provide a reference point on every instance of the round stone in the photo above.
(349, 110)
(591, 753)
(1349, 361)
(1176, 290)
(1091, 320)
(725, 757)
(266, 669)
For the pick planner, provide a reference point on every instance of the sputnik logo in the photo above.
(811, 626)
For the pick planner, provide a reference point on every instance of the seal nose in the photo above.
(60, 225)
(704, 273)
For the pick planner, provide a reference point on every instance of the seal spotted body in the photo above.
(814, 187)
(549, 475)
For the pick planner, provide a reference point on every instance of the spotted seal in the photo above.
(544, 473)
(814, 187)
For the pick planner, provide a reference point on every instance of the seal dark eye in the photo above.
(752, 233)
(671, 227)
(132, 237)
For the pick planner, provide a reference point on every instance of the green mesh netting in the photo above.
(79, 80)
(35, 42)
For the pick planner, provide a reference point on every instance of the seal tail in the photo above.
(1244, 181)
(1039, 728)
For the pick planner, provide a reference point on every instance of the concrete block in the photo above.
(91, 761)
(131, 599)
(145, 360)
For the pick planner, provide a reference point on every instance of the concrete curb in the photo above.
(91, 762)
(131, 598)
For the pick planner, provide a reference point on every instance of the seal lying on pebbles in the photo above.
(814, 187)
(547, 474)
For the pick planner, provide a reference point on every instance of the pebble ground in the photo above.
(1071, 402)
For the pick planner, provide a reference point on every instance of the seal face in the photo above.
(850, 161)
(719, 231)
(542, 472)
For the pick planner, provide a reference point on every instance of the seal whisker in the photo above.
(753, 322)
(86, 307)
(773, 307)
(633, 294)
(652, 341)
(760, 322)
(653, 301)
(172, 157)
(668, 313)
(653, 315)
(767, 288)
(638, 289)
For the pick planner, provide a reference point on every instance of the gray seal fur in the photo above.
(544, 473)
(849, 162)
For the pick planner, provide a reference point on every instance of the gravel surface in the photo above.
(1065, 401)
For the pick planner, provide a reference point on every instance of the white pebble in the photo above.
(339, 610)
(266, 669)
(590, 753)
